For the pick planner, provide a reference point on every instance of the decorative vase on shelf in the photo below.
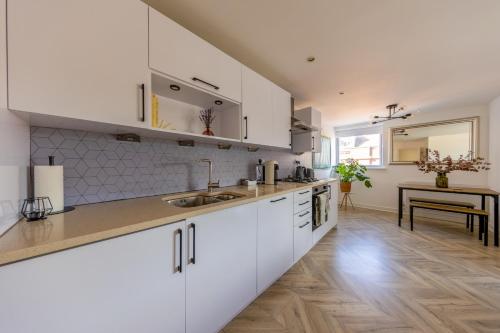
(207, 117)
(442, 180)
(345, 187)
(208, 132)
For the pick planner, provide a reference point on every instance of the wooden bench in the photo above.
(470, 218)
(483, 215)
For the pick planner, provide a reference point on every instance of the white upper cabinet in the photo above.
(266, 110)
(79, 59)
(308, 141)
(126, 284)
(257, 105)
(222, 265)
(282, 115)
(177, 52)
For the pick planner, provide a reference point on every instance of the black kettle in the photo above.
(300, 172)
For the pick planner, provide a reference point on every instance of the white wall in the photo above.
(384, 194)
(3, 55)
(14, 147)
(494, 173)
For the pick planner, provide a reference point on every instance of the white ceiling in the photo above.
(424, 54)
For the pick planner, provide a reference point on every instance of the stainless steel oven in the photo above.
(317, 190)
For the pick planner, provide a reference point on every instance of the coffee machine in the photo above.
(271, 172)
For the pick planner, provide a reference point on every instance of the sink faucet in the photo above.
(211, 185)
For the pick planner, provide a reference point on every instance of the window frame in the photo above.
(347, 131)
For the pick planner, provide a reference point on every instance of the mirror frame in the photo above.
(474, 137)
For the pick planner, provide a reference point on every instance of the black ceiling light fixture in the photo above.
(393, 109)
(218, 102)
(175, 87)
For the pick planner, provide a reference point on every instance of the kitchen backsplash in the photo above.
(99, 168)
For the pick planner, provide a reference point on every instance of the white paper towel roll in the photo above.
(49, 182)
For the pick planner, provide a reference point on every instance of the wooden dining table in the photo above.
(426, 187)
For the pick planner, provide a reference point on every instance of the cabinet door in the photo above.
(126, 284)
(274, 239)
(333, 214)
(316, 142)
(175, 51)
(281, 117)
(305, 142)
(257, 108)
(79, 59)
(221, 274)
(302, 237)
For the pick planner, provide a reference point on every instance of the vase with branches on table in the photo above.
(443, 166)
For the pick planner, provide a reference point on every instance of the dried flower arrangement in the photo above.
(443, 166)
(207, 117)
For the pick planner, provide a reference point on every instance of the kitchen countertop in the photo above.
(96, 222)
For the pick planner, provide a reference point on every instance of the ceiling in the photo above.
(424, 54)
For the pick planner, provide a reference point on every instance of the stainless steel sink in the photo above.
(201, 199)
(226, 196)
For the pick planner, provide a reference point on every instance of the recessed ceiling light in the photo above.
(218, 102)
(175, 87)
(311, 59)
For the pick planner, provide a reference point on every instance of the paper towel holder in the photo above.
(41, 200)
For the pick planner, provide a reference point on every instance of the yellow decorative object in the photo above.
(154, 110)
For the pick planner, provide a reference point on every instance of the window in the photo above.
(361, 144)
(323, 160)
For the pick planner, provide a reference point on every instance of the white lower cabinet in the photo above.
(302, 223)
(127, 284)
(221, 270)
(274, 239)
(192, 276)
(302, 238)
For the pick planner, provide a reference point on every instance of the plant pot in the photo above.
(442, 180)
(345, 187)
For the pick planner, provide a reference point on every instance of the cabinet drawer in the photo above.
(302, 194)
(302, 200)
(302, 239)
(175, 51)
(301, 217)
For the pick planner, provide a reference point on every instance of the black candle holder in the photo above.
(35, 209)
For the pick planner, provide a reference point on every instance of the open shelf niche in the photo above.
(178, 107)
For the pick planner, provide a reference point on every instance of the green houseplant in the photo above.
(351, 171)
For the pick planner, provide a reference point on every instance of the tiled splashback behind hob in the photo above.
(99, 168)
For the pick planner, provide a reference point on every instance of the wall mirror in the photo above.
(454, 137)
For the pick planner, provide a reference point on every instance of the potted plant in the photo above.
(351, 171)
(444, 166)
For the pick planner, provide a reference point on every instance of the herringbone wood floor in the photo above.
(371, 276)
